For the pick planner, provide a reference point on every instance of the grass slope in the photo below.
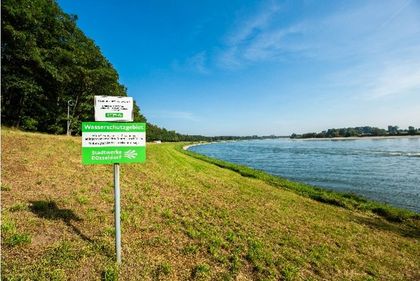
(182, 219)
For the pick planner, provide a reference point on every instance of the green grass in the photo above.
(200, 271)
(18, 207)
(17, 239)
(187, 218)
(110, 273)
(162, 269)
(10, 237)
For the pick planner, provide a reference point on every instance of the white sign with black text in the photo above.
(113, 108)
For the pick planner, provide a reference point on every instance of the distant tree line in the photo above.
(47, 62)
(359, 132)
(155, 133)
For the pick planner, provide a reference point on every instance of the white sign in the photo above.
(113, 108)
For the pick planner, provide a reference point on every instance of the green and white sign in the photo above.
(107, 143)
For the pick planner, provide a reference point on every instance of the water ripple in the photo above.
(387, 170)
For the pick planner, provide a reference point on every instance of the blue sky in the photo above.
(262, 67)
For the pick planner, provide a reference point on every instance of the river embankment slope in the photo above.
(182, 218)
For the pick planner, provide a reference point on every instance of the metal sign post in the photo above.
(117, 211)
(113, 143)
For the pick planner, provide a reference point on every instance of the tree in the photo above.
(46, 61)
(411, 130)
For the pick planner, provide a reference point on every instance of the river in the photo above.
(383, 169)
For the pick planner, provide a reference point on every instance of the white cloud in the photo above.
(252, 26)
(364, 31)
(373, 46)
(382, 79)
(248, 30)
(396, 79)
(368, 28)
(228, 58)
(196, 63)
(272, 44)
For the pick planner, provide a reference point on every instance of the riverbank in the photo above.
(182, 219)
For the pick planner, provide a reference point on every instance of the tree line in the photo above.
(154, 133)
(364, 131)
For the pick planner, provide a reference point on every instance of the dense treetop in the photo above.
(46, 61)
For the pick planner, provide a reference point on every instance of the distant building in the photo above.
(157, 141)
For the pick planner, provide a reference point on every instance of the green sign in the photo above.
(108, 143)
(114, 115)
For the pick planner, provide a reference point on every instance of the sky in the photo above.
(262, 67)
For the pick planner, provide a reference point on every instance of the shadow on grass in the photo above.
(406, 230)
(49, 210)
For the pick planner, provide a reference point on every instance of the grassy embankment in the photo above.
(184, 218)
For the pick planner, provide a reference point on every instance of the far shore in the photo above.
(360, 138)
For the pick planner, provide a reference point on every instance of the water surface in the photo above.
(386, 170)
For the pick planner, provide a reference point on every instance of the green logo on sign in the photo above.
(114, 115)
(108, 143)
